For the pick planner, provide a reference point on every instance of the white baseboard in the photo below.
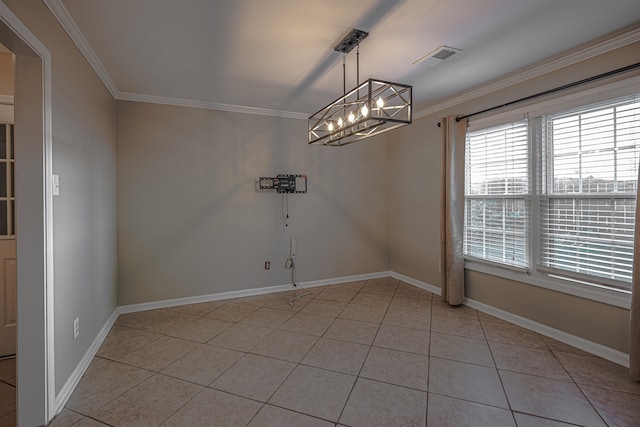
(596, 349)
(131, 308)
(417, 283)
(68, 388)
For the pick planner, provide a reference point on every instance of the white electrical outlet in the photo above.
(440, 266)
(76, 328)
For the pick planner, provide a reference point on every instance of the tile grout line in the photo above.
(426, 409)
(292, 370)
(571, 379)
(495, 366)
(365, 358)
(183, 405)
(189, 352)
(379, 324)
(163, 334)
(114, 398)
(363, 362)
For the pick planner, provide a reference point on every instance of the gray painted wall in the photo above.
(415, 164)
(190, 221)
(84, 215)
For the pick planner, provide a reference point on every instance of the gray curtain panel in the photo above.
(452, 210)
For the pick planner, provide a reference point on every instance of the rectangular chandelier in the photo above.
(372, 108)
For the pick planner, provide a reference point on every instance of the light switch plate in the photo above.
(56, 185)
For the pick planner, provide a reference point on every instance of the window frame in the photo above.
(536, 275)
(510, 130)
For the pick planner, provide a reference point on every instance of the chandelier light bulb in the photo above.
(364, 111)
(352, 117)
(340, 122)
(380, 102)
(330, 126)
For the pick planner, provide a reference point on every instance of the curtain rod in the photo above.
(554, 90)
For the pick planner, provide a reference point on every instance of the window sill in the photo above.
(617, 298)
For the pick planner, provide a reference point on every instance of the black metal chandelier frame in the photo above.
(371, 108)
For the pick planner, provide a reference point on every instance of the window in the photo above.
(497, 194)
(570, 179)
(7, 186)
(588, 185)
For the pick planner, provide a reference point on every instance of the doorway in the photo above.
(8, 268)
(33, 220)
(8, 279)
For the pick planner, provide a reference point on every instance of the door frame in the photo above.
(36, 392)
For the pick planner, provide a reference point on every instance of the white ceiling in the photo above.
(278, 54)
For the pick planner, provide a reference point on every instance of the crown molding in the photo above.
(562, 61)
(152, 99)
(68, 24)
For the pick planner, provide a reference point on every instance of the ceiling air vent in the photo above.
(432, 59)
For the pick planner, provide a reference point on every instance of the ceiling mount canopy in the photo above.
(350, 41)
(371, 108)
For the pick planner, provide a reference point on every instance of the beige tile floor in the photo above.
(375, 353)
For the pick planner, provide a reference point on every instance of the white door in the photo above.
(8, 294)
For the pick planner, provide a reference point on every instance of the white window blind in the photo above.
(588, 184)
(497, 195)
